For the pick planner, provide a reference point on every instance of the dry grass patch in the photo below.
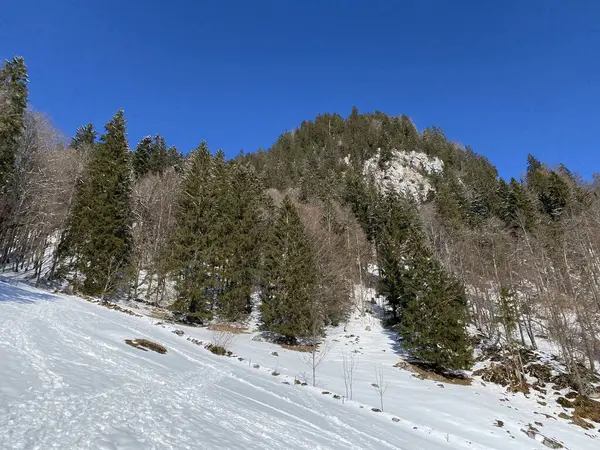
(227, 328)
(298, 348)
(145, 345)
(423, 372)
(158, 314)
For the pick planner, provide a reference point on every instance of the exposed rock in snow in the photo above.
(405, 173)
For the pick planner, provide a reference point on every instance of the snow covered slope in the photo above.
(68, 381)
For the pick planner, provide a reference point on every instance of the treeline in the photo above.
(288, 232)
(198, 234)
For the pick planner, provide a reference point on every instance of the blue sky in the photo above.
(508, 78)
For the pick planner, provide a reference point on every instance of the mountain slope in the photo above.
(69, 381)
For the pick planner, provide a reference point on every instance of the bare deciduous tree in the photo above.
(349, 366)
(380, 384)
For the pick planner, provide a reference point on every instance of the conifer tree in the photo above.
(397, 232)
(191, 238)
(99, 229)
(289, 278)
(242, 228)
(429, 305)
(13, 99)
(85, 136)
(152, 155)
(141, 157)
(434, 321)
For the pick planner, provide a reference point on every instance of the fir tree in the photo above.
(191, 244)
(289, 278)
(434, 321)
(13, 100)
(152, 155)
(141, 157)
(99, 229)
(85, 136)
(397, 232)
(429, 305)
(241, 234)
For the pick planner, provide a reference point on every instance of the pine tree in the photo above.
(429, 306)
(152, 155)
(244, 203)
(191, 238)
(99, 229)
(289, 278)
(397, 233)
(434, 321)
(13, 102)
(85, 136)
(141, 157)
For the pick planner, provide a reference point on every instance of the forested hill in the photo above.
(297, 234)
(525, 250)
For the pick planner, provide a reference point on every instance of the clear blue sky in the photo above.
(506, 77)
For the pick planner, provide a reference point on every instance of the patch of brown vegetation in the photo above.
(217, 349)
(498, 374)
(227, 328)
(562, 401)
(145, 345)
(587, 408)
(298, 348)
(580, 422)
(425, 373)
(540, 371)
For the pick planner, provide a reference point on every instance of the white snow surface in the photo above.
(68, 381)
(405, 173)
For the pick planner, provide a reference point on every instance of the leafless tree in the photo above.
(380, 384)
(349, 366)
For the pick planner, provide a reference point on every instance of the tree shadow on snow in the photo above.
(10, 293)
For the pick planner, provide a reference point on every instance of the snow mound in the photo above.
(405, 173)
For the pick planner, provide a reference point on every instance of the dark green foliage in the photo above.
(434, 322)
(516, 208)
(152, 155)
(428, 304)
(551, 188)
(289, 278)
(99, 230)
(85, 136)
(398, 244)
(13, 102)
(240, 237)
(190, 238)
(451, 201)
(215, 243)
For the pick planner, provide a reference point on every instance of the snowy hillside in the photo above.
(69, 381)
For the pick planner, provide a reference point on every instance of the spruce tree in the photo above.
(190, 243)
(99, 229)
(434, 321)
(152, 155)
(85, 136)
(398, 234)
(13, 102)
(242, 228)
(141, 157)
(289, 278)
(428, 305)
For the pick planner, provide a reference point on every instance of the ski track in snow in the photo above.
(68, 381)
